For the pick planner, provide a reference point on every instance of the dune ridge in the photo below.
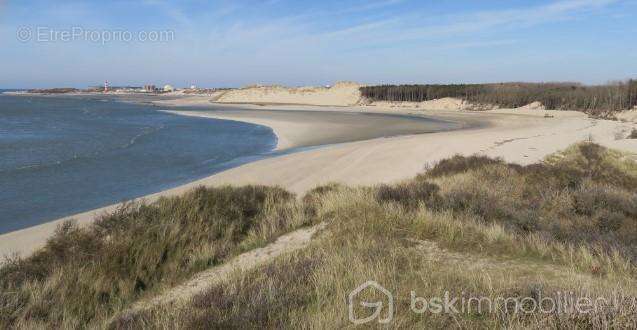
(341, 94)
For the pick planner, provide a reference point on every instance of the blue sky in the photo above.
(234, 43)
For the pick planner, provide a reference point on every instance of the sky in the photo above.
(234, 43)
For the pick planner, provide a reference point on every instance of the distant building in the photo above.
(168, 88)
(150, 88)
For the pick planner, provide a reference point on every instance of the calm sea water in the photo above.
(61, 156)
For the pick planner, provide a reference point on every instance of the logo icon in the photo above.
(24, 34)
(371, 286)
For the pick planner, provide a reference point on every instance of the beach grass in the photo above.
(84, 275)
(466, 227)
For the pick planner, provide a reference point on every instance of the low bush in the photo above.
(586, 195)
(410, 194)
(459, 164)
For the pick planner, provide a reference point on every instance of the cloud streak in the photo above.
(415, 27)
(309, 30)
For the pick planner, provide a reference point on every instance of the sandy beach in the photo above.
(519, 136)
(522, 136)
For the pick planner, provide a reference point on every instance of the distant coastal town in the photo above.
(107, 88)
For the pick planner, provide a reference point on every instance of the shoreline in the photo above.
(520, 136)
(24, 241)
(304, 127)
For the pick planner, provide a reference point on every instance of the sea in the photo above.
(64, 155)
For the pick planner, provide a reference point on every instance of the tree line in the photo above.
(557, 96)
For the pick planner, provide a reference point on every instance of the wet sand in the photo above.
(307, 128)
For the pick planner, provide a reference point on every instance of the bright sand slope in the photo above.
(521, 136)
(341, 94)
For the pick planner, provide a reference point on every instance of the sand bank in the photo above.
(306, 127)
(521, 136)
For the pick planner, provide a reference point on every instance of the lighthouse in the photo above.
(106, 86)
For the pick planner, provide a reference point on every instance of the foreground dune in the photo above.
(519, 136)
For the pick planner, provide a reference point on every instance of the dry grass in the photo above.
(470, 226)
(83, 276)
(367, 240)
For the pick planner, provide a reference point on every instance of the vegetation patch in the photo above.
(596, 100)
(469, 227)
(83, 275)
(54, 91)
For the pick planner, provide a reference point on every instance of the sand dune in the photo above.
(628, 116)
(341, 94)
(447, 103)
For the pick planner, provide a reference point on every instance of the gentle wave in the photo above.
(61, 155)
